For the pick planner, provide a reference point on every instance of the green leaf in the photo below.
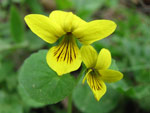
(43, 84)
(84, 100)
(27, 99)
(16, 25)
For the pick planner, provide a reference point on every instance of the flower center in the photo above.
(94, 72)
(67, 49)
(94, 80)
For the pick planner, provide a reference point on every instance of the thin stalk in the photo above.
(70, 96)
(70, 103)
(80, 74)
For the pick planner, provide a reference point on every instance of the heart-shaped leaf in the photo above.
(41, 83)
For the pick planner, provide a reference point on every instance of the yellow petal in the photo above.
(67, 20)
(110, 75)
(89, 56)
(44, 28)
(104, 59)
(97, 86)
(94, 30)
(65, 57)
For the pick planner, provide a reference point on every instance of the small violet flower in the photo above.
(97, 70)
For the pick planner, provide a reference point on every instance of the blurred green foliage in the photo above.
(16, 25)
(129, 45)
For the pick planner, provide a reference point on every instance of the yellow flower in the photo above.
(66, 57)
(98, 72)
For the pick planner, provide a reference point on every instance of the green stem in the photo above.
(80, 74)
(70, 103)
(70, 96)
